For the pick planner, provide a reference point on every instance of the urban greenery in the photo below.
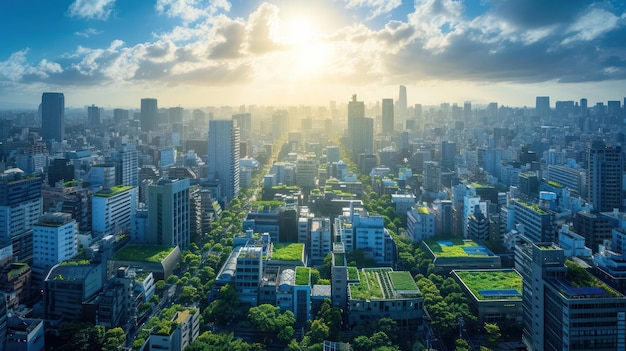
(491, 280)
(143, 253)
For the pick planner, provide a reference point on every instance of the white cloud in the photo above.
(593, 24)
(377, 7)
(92, 9)
(191, 10)
(88, 32)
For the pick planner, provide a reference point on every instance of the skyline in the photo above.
(198, 53)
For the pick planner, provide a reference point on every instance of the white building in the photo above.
(168, 213)
(113, 210)
(321, 242)
(420, 223)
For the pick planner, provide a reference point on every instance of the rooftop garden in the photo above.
(353, 273)
(285, 187)
(267, 204)
(287, 252)
(17, 268)
(554, 184)
(480, 186)
(533, 207)
(302, 275)
(114, 190)
(75, 263)
(402, 281)
(578, 277)
(70, 183)
(368, 288)
(457, 248)
(141, 253)
(339, 258)
(492, 280)
(422, 210)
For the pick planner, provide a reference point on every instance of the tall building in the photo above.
(93, 115)
(604, 176)
(53, 116)
(542, 106)
(356, 112)
(20, 207)
(128, 158)
(467, 113)
(113, 210)
(55, 240)
(402, 103)
(224, 156)
(120, 115)
(448, 155)
(388, 117)
(420, 223)
(169, 213)
(320, 238)
(175, 115)
(564, 306)
(149, 115)
(363, 137)
(244, 122)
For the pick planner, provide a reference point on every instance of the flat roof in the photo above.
(114, 190)
(143, 253)
(287, 251)
(505, 284)
(457, 248)
(383, 284)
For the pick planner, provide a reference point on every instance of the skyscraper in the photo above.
(53, 116)
(149, 114)
(604, 176)
(93, 115)
(224, 156)
(542, 106)
(388, 116)
(169, 213)
(244, 122)
(401, 106)
(176, 115)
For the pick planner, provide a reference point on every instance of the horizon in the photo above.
(280, 52)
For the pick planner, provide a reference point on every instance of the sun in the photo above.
(307, 50)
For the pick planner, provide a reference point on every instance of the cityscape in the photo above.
(332, 175)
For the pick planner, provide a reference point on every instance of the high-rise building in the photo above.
(93, 115)
(604, 176)
(388, 117)
(448, 155)
(53, 116)
(176, 115)
(356, 114)
(120, 115)
(20, 207)
(564, 306)
(149, 114)
(113, 210)
(128, 158)
(467, 112)
(224, 156)
(402, 104)
(169, 213)
(55, 240)
(542, 106)
(244, 122)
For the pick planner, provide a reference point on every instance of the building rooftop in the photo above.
(503, 284)
(530, 206)
(581, 284)
(383, 284)
(143, 253)
(457, 248)
(422, 210)
(287, 251)
(114, 190)
(303, 275)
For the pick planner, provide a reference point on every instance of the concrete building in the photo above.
(604, 176)
(149, 115)
(387, 117)
(590, 315)
(538, 224)
(53, 116)
(54, 241)
(169, 213)
(25, 334)
(177, 338)
(224, 157)
(320, 239)
(420, 223)
(113, 210)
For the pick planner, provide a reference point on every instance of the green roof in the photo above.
(302, 275)
(533, 207)
(18, 268)
(114, 190)
(75, 263)
(143, 253)
(422, 210)
(492, 280)
(554, 184)
(402, 281)
(456, 249)
(353, 273)
(287, 252)
(383, 283)
(480, 186)
(578, 277)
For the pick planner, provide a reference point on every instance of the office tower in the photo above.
(169, 213)
(542, 106)
(388, 116)
(93, 115)
(149, 115)
(55, 240)
(320, 238)
(363, 129)
(280, 123)
(175, 115)
(467, 112)
(224, 157)
(492, 113)
(432, 176)
(448, 155)
(120, 115)
(605, 166)
(53, 116)
(60, 169)
(402, 104)
(244, 123)
(113, 210)
(418, 113)
(564, 306)
(420, 223)
(614, 108)
(20, 207)
(127, 165)
(584, 109)
(356, 112)
(537, 224)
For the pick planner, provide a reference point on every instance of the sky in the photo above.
(196, 53)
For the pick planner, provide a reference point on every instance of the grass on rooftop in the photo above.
(302, 275)
(114, 190)
(492, 280)
(141, 253)
(578, 277)
(423, 210)
(402, 281)
(533, 207)
(287, 252)
(353, 273)
(368, 288)
(554, 184)
(453, 251)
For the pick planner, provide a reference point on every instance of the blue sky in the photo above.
(196, 53)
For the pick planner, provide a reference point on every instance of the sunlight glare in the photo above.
(308, 51)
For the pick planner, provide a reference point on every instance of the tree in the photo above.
(114, 339)
(267, 318)
(318, 332)
(462, 345)
(492, 333)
